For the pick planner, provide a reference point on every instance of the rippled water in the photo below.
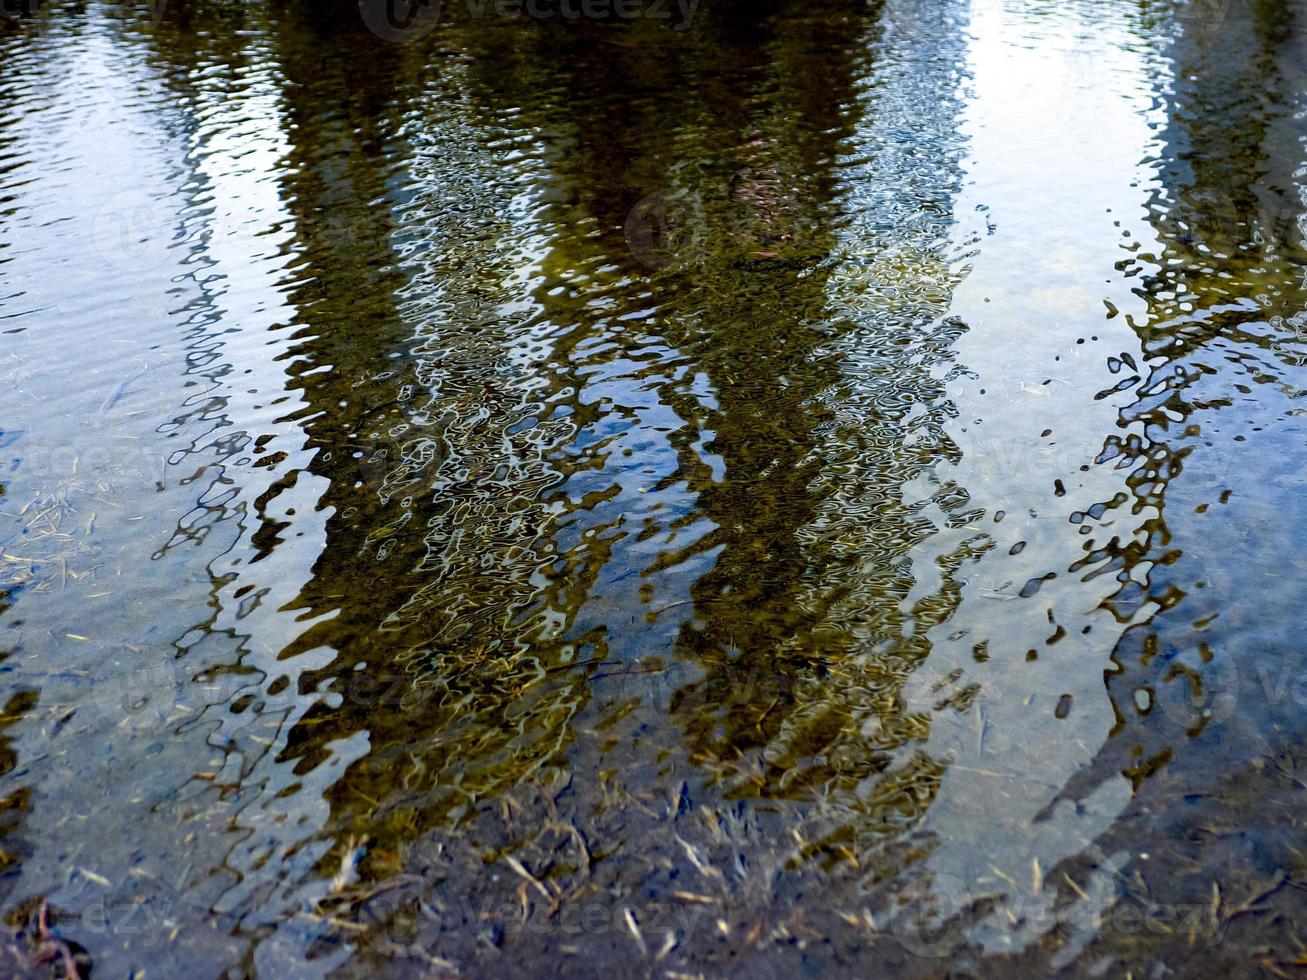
(785, 486)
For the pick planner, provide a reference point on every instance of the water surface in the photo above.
(816, 486)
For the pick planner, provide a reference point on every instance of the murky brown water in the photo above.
(745, 489)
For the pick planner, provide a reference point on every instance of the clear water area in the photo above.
(813, 488)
